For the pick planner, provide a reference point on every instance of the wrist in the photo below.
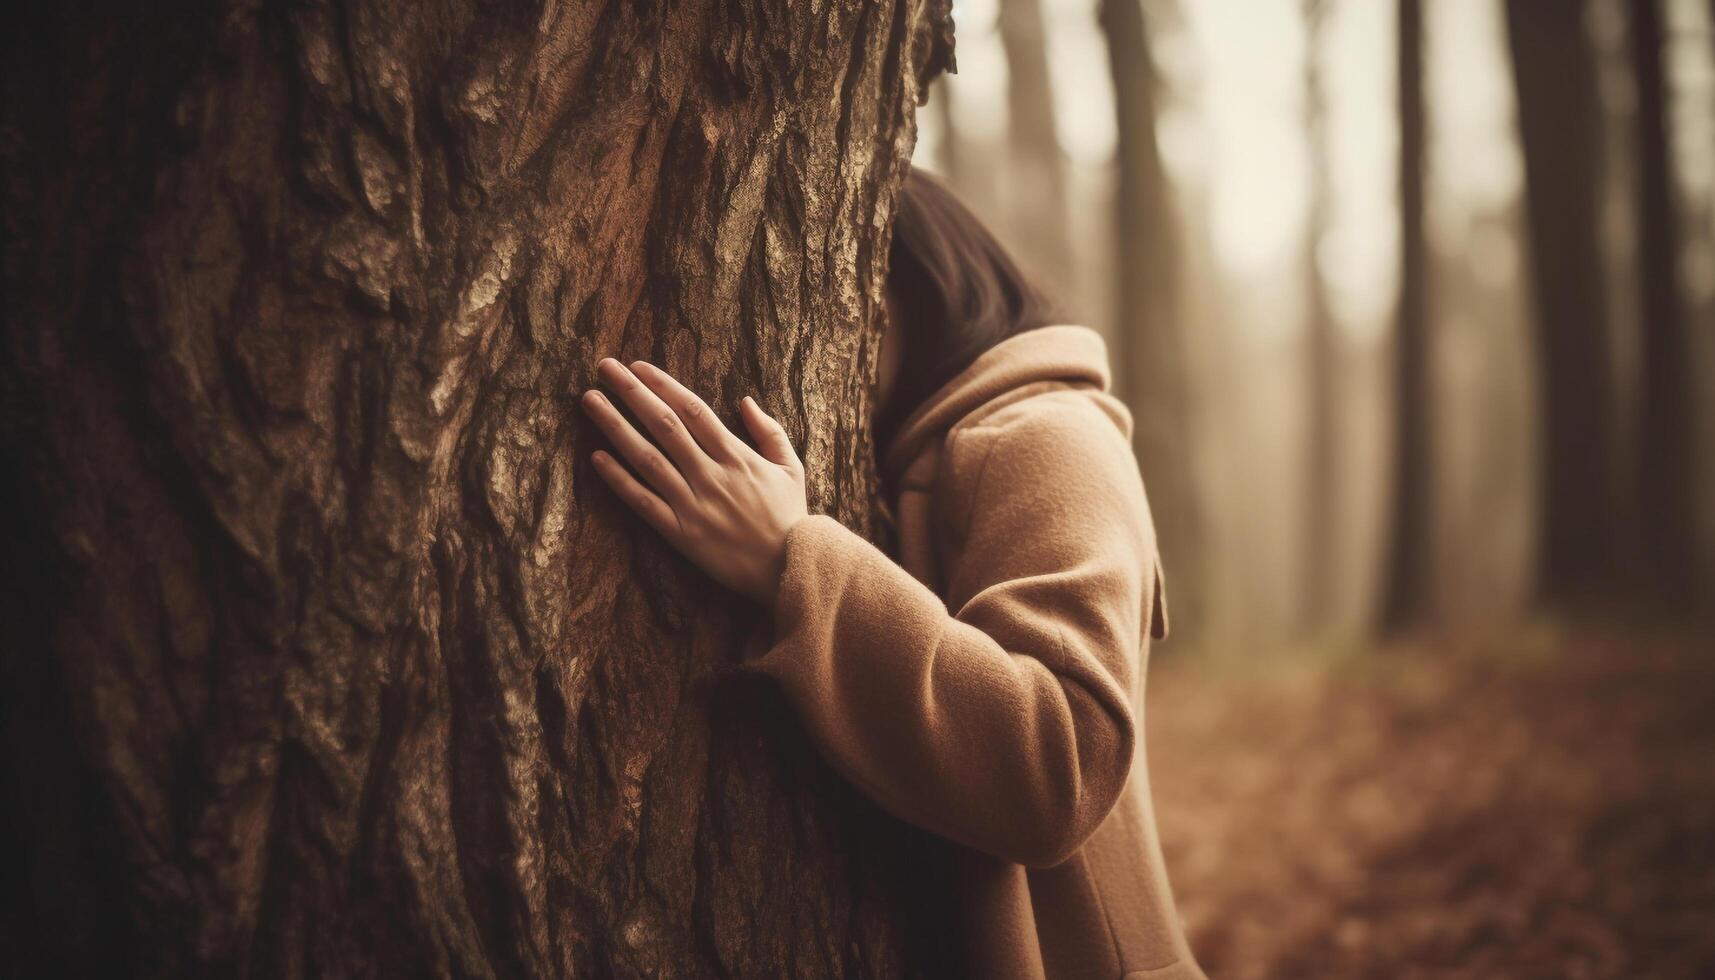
(774, 570)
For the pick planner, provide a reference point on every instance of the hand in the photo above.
(724, 505)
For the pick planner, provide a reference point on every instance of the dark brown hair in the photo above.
(957, 292)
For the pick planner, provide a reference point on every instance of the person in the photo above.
(988, 685)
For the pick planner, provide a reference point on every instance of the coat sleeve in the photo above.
(1007, 726)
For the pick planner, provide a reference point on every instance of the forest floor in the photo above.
(1536, 806)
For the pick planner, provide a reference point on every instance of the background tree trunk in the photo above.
(1408, 598)
(1322, 463)
(952, 152)
(1036, 201)
(1559, 128)
(327, 653)
(1666, 425)
(1151, 364)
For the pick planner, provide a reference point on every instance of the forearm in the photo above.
(1017, 749)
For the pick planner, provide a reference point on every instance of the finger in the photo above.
(710, 432)
(638, 497)
(655, 467)
(660, 419)
(771, 438)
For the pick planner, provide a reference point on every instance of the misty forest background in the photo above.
(1415, 305)
(1271, 132)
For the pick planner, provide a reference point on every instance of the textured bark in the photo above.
(1667, 491)
(1560, 113)
(327, 653)
(1152, 365)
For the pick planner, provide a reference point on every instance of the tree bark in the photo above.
(326, 651)
(1408, 599)
(1666, 475)
(1559, 112)
(1152, 366)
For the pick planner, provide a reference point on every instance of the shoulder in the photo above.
(1047, 486)
(1064, 447)
(1066, 423)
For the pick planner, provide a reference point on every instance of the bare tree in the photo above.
(1036, 206)
(1666, 474)
(1559, 113)
(1322, 354)
(1152, 367)
(326, 652)
(1409, 581)
(951, 145)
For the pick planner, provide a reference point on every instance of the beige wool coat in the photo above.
(989, 685)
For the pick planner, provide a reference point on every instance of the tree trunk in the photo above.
(1666, 492)
(1036, 200)
(327, 653)
(1152, 367)
(1408, 598)
(1559, 114)
(1321, 570)
(952, 153)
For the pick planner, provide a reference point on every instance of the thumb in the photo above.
(771, 438)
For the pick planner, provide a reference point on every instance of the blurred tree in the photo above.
(1322, 362)
(1560, 112)
(1666, 474)
(1152, 368)
(1407, 599)
(1036, 200)
(325, 653)
(950, 146)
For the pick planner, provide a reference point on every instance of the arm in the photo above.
(1006, 726)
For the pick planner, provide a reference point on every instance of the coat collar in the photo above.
(1059, 352)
